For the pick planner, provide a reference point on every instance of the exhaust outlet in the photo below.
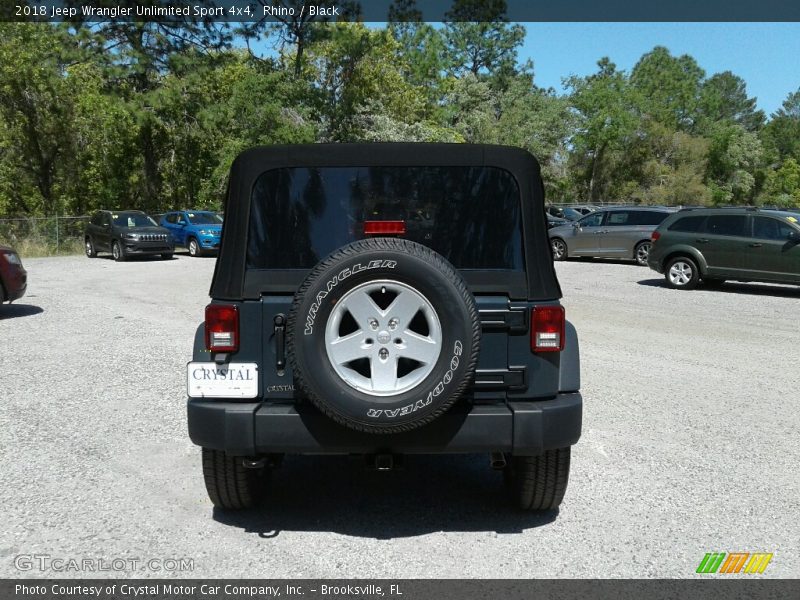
(497, 460)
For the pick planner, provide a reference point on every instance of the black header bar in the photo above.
(378, 10)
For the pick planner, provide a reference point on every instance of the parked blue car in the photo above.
(197, 230)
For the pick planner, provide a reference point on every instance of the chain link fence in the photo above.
(44, 236)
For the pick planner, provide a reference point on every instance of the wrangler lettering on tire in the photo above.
(368, 330)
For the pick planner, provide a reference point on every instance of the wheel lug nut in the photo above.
(373, 323)
(393, 324)
(383, 353)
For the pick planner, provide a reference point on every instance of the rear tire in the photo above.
(641, 252)
(230, 485)
(682, 273)
(539, 482)
(559, 248)
(89, 247)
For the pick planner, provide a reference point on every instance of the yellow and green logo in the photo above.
(734, 562)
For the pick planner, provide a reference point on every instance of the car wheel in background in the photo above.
(117, 252)
(194, 247)
(641, 252)
(89, 247)
(539, 482)
(682, 273)
(559, 249)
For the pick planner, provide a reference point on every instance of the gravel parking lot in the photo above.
(690, 443)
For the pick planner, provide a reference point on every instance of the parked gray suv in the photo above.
(384, 300)
(619, 232)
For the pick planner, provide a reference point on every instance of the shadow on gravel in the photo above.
(731, 287)
(604, 261)
(430, 494)
(12, 311)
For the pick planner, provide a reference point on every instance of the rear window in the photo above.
(470, 215)
(688, 224)
(648, 217)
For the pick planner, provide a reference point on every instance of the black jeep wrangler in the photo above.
(385, 299)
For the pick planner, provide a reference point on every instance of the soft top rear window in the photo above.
(470, 215)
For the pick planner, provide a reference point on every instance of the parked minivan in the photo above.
(718, 244)
(618, 232)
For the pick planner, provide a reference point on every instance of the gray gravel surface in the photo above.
(690, 443)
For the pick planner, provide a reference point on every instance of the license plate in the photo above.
(231, 380)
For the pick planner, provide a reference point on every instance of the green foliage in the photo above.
(151, 116)
(782, 187)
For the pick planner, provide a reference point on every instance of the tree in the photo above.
(420, 48)
(479, 39)
(782, 133)
(356, 68)
(136, 56)
(782, 187)
(36, 113)
(669, 88)
(723, 97)
(734, 156)
(605, 109)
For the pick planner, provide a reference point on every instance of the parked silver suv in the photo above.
(618, 232)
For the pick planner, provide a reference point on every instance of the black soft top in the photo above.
(233, 281)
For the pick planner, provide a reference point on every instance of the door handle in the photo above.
(702, 240)
(280, 343)
(756, 245)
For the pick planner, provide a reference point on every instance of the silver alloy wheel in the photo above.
(115, 251)
(642, 252)
(193, 247)
(89, 248)
(680, 273)
(559, 249)
(368, 359)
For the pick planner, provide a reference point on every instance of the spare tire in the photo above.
(383, 335)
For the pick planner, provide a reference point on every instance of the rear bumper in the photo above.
(655, 265)
(523, 428)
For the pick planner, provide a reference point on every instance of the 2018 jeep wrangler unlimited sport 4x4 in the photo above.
(384, 299)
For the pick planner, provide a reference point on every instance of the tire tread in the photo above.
(541, 481)
(229, 484)
(413, 249)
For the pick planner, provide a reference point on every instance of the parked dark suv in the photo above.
(126, 233)
(714, 245)
(341, 323)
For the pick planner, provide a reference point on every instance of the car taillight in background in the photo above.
(384, 227)
(222, 328)
(547, 329)
(654, 236)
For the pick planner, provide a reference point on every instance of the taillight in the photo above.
(222, 328)
(384, 227)
(654, 236)
(547, 329)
